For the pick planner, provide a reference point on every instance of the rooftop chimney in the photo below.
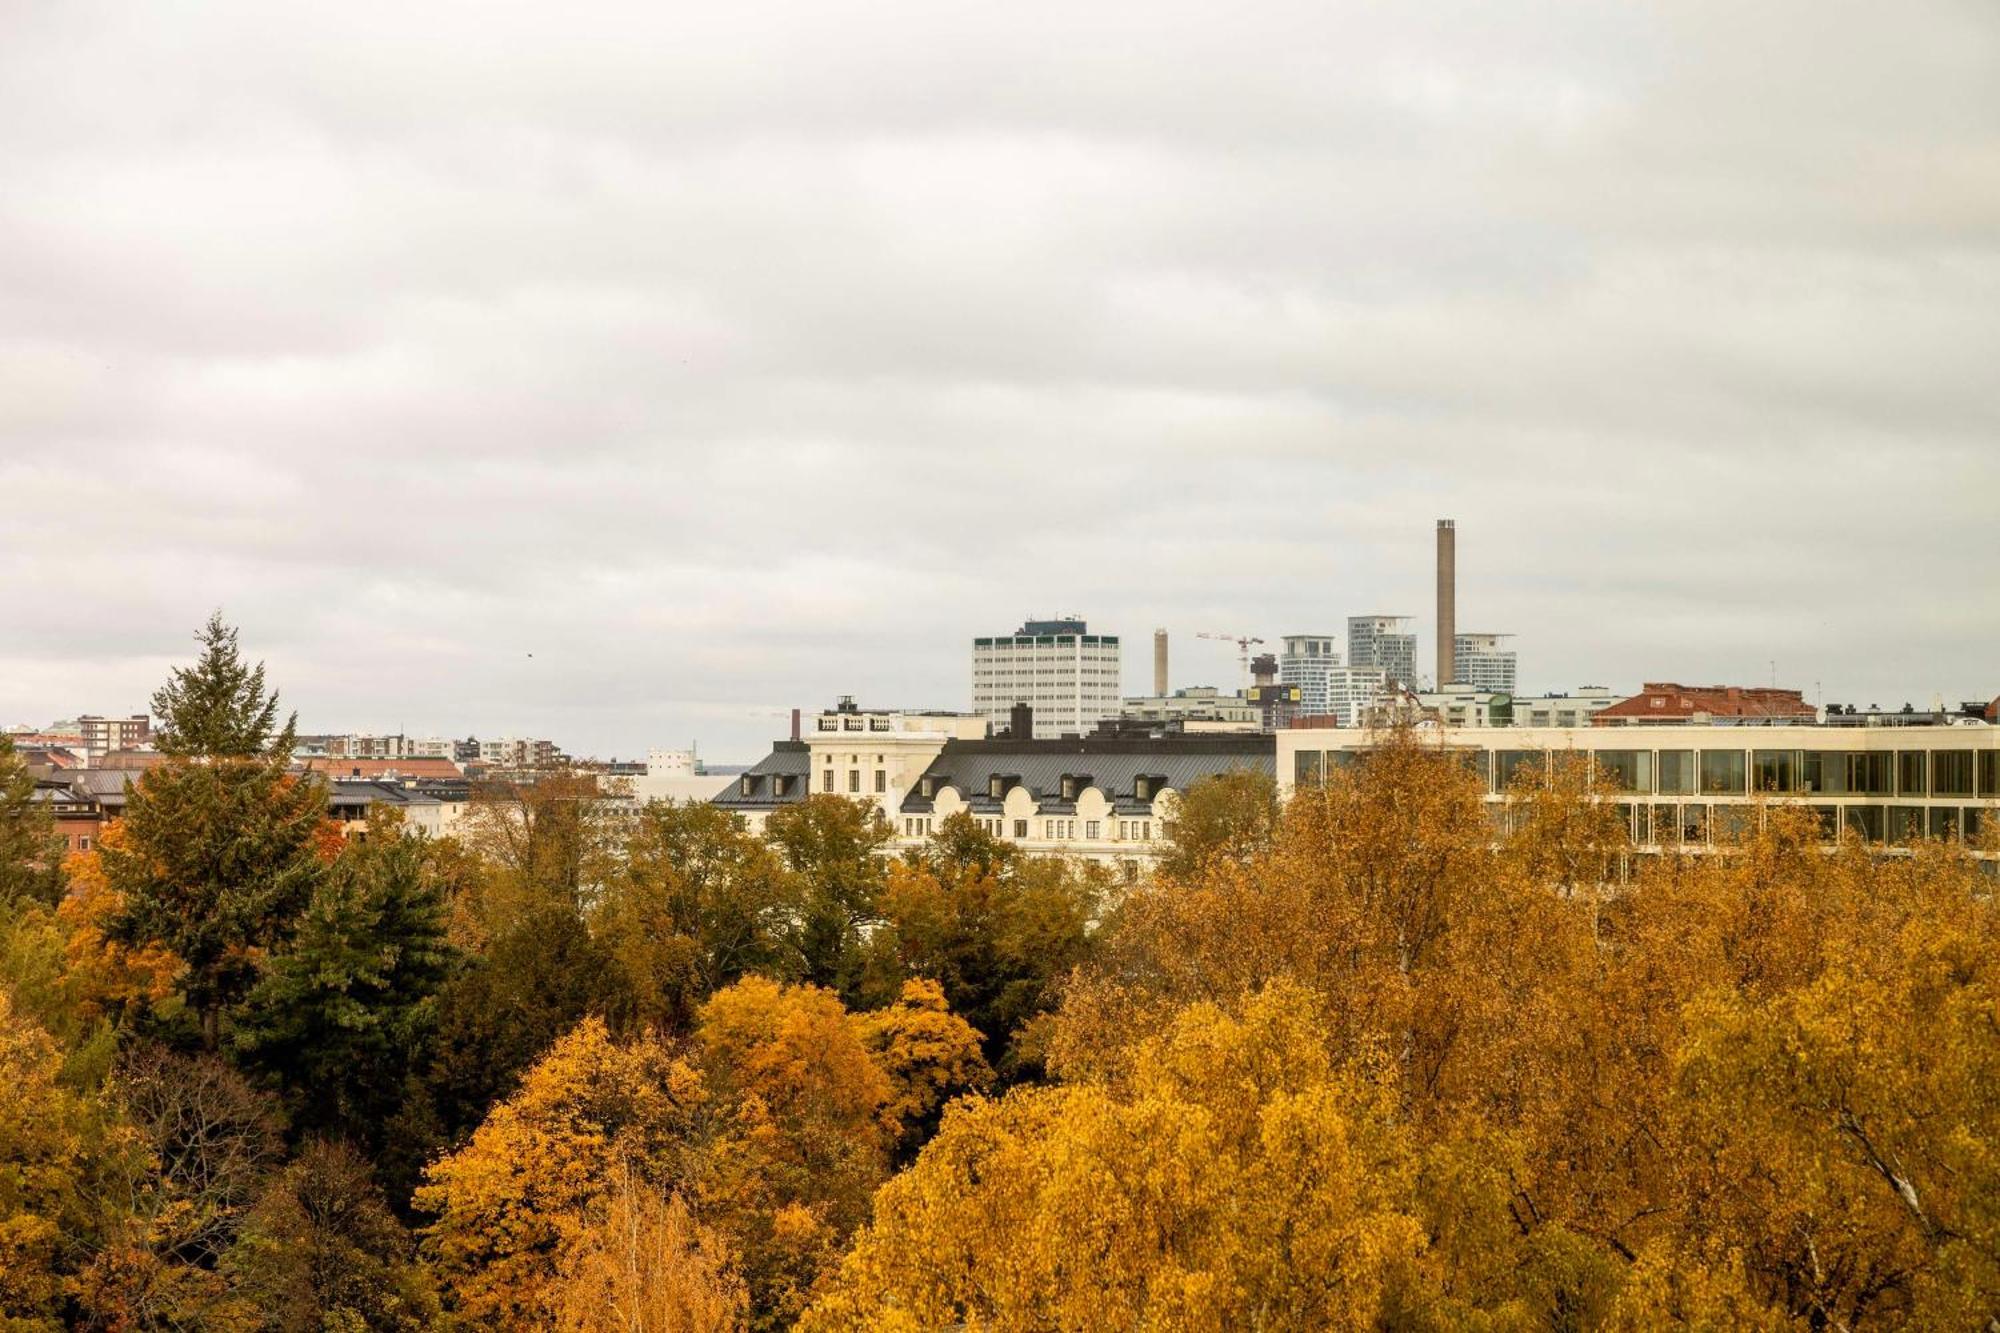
(1447, 603)
(1021, 722)
(1160, 663)
(795, 724)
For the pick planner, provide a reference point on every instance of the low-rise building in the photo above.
(1665, 704)
(1202, 707)
(1688, 787)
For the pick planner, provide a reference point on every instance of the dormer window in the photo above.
(1069, 786)
(996, 786)
(927, 786)
(780, 784)
(749, 787)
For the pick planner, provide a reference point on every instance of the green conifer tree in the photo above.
(30, 855)
(342, 1012)
(217, 855)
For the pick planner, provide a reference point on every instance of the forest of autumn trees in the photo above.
(1351, 1061)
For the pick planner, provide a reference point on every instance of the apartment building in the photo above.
(1069, 676)
(1104, 797)
(102, 735)
(1385, 644)
(1483, 663)
(867, 754)
(1686, 786)
(1101, 798)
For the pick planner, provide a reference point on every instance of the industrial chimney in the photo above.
(1447, 607)
(1159, 663)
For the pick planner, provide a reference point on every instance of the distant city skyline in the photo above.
(629, 381)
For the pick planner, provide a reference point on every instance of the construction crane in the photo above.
(1242, 642)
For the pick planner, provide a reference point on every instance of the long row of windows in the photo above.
(1689, 823)
(1054, 830)
(1709, 772)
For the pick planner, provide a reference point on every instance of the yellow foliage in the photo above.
(1240, 1180)
(515, 1198)
(103, 977)
(929, 1054)
(645, 1266)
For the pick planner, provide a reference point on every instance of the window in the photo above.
(749, 785)
(854, 779)
(881, 780)
(1512, 763)
(1733, 823)
(1912, 775)
(996, 786)
(1989, 774)
(1068, 787)
(1627, 770)
(1676, 772)
(1305, 768)
(1906, 823)
(1865, 820)
(1951, 773)
(1092, 829)
(83, 844)
(1020, 828)
(1944, 823)
(1722, 772)
(1694, 823)
(826, 780)
(1145, 830)
(1665, 826)
(1774, 770)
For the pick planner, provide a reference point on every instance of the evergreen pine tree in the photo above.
(343, 1011)
(217, 858)
(30, 855)
(217, 708)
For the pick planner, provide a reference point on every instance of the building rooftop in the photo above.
(1666, 701)
(1112, 764)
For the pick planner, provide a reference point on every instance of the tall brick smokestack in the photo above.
(1159, 663)
(1447, 607)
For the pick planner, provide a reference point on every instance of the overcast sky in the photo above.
(628, 374)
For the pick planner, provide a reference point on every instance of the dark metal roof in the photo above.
(1112, 764)
(790, 760)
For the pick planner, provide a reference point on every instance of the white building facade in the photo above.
(1385, 644)
(1688, 788)
(1483, 663)
(1069, 676)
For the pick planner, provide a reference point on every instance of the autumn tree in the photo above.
(930, 1056)
(802, 1137)
(62, 1158)
(1239, 1180)
(695, 903)
(218, 857)
(1230, 816)
(509, 1206)
(210, 1143)
(320, 1250)
(644, 1263)
(997, 931)
(833, 845)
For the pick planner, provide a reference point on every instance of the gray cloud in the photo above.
(726, 358)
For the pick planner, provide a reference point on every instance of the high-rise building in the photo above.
(1482, 663)
(1384, 644)
(1069, 676)
(1326, 688)
(1307, 661)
